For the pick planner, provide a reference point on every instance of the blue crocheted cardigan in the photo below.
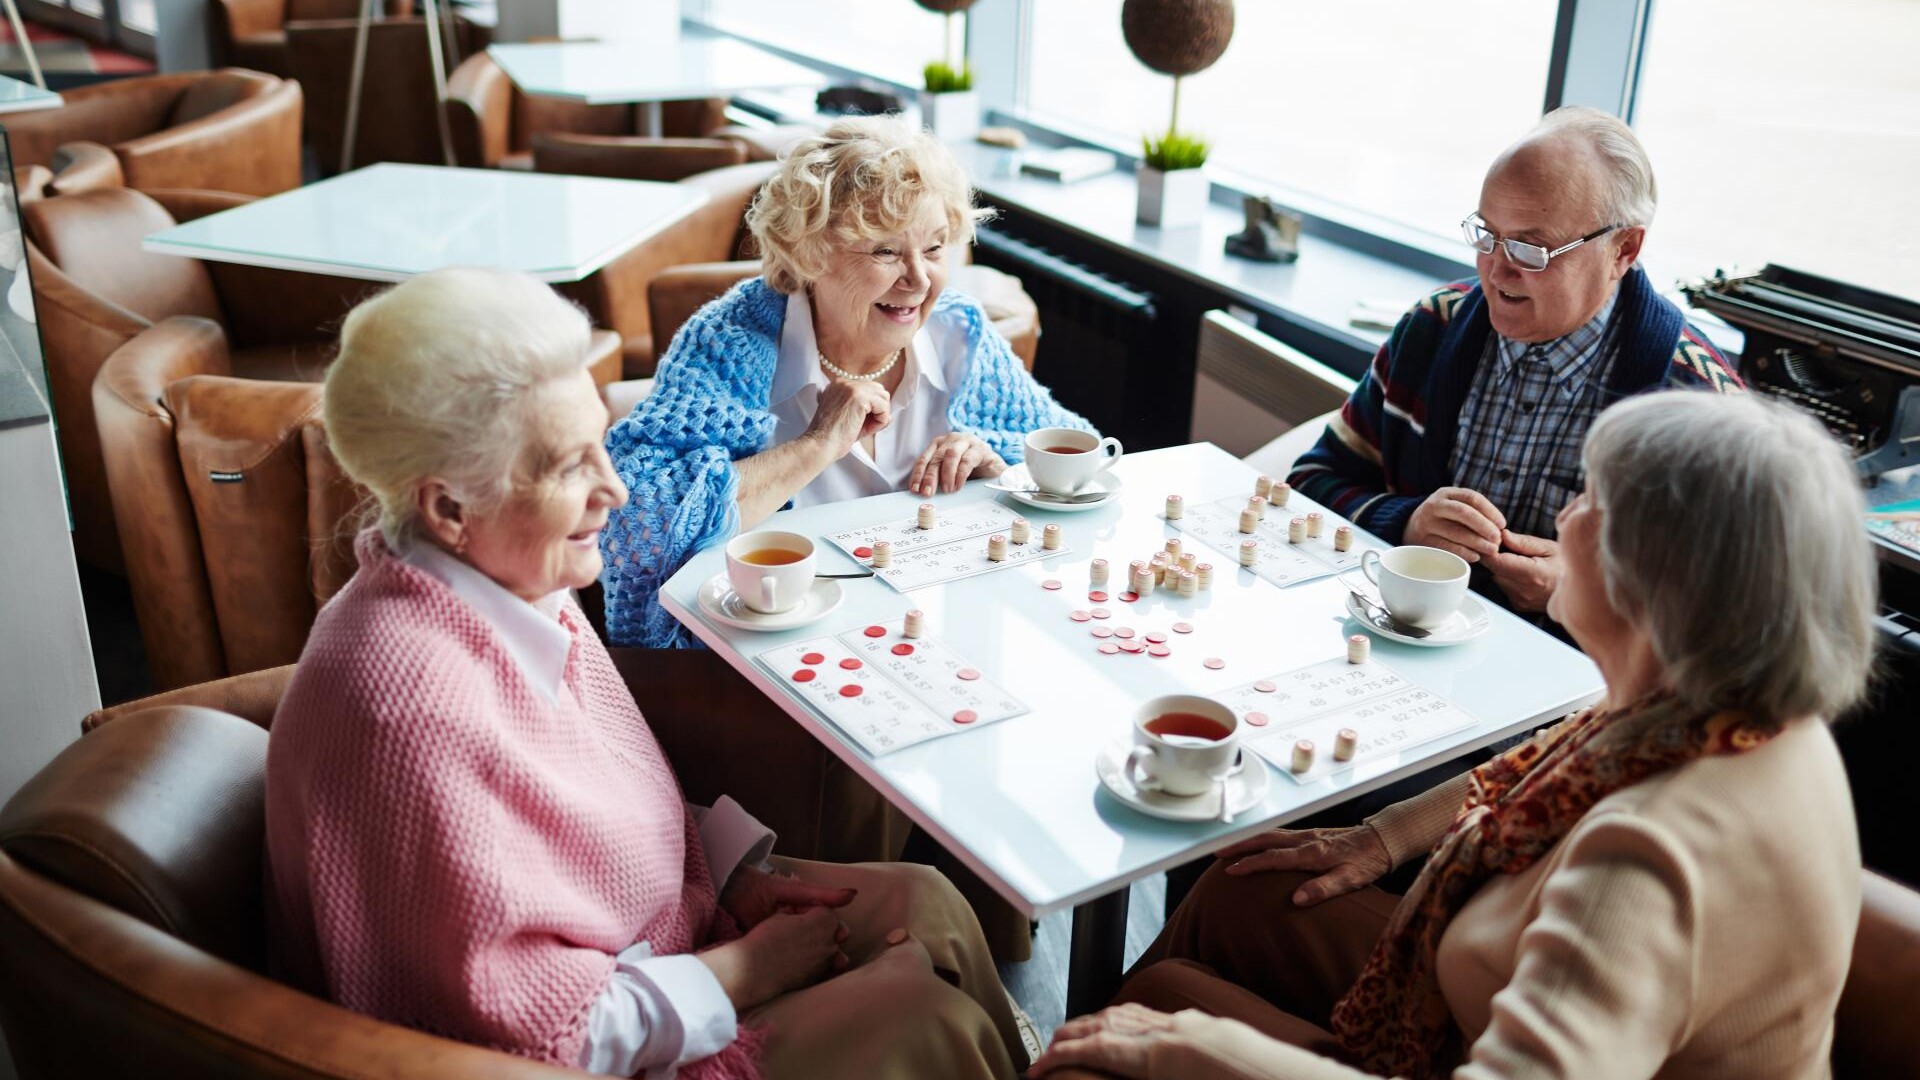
(709, 408)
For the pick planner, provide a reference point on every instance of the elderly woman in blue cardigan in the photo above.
(844, 370)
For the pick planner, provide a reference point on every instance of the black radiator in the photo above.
(1104, 348)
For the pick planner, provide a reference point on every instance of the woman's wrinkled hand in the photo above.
(950, 461)
(785, 952)
(1118, 1041)
(1351, 858)
(848, 412)
(752, 896)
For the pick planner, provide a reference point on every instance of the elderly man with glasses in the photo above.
(1465, 432)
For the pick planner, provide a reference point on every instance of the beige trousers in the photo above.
(931, 1007)
(1239, 948)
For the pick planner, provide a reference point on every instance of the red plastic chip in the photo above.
(862, 552)
(813, 658)
(851, 663)
(1214, 663)
(850, 690)
(876, 631)
(903, 649)
(805, 674)
(1257, 719)
(967, 674)
(965, 716)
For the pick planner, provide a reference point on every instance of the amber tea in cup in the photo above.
(1184, 745)
(1187, 728)
(772, 557)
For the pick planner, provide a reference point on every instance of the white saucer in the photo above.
(1466, 624)
(1017, 479)
(725, 606)
(1246, 789)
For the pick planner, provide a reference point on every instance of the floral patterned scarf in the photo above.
(1394, 1021)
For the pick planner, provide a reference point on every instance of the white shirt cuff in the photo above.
(732, 838)
(656, 1014)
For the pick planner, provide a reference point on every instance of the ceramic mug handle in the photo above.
(1136, 758)
(1109, 448)
(1367, 567)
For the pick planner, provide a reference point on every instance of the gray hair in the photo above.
(436, 379)
(862, 178)
(1628, 192)
(1732, 534)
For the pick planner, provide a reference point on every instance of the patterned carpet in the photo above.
(64, 53)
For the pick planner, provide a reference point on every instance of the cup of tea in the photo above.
(1062, 460)
(1421, 586)
(1183, 745)
(772, 571)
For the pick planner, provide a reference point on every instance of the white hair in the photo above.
(1628, 193)
(1732, 533)
(435, 380)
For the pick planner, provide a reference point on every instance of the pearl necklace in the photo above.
(842, 373)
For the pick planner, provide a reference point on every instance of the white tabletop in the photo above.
(17, 96)
(608, 73)
(389, 222)
(1018, 800)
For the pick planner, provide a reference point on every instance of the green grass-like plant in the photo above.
(1174, 151)
(941, 77)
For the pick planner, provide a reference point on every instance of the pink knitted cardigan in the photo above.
(450, 851)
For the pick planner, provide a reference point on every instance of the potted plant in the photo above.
(949, 105)
(1177, 38)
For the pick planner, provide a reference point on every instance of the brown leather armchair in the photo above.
(495, 126)
(399, 120)
(236, 521)
(228, 130)
(95, 289)
(253, 33)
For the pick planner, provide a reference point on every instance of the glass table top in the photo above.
(17, 96)
(389, 222)
(606, 73)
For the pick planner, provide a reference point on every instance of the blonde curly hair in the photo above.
(861, 179)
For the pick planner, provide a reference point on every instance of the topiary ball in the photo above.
(1176, 37)
(945, 7)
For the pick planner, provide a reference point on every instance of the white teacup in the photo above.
(1183, 745)
(772, 571)
(1421, 586)
(1062, 460)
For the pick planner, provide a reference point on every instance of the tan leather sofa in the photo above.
(228, 130)
(132, 917)
(95, 289)
(236, 522)
(495, 126)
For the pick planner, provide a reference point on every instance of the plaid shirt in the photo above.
(1525, 419)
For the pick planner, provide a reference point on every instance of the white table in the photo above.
(17, 96)
(389, 222)
(1018, 801)
(701, 65)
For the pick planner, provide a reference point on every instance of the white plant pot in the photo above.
(1173, 200)
(951, 116)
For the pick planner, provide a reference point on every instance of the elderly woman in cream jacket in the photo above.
(1666, 885)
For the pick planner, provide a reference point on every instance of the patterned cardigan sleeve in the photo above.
(998, 399)
(1343, 470)
(676, 453)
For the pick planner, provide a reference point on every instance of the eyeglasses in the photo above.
(1529, 257)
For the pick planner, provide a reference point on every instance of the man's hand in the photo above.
(1528, 572)
(1346, 859)
(753, 895)
(1116, 1042)
(1459, 520)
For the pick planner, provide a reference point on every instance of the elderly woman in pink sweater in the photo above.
(1664, 886)
(470, 827)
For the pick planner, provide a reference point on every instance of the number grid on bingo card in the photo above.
(886, 691)
(1217, 525)
(955, 548)
(1316, 702)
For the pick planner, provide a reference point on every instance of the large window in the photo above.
(1785, 131)
(1386, 106)
(893, 39)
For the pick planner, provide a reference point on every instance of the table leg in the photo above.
(1099, 947)
(653, 119)
(26, 45)
(354, 82)
(437, 58)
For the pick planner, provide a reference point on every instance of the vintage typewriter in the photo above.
(1849, 356)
